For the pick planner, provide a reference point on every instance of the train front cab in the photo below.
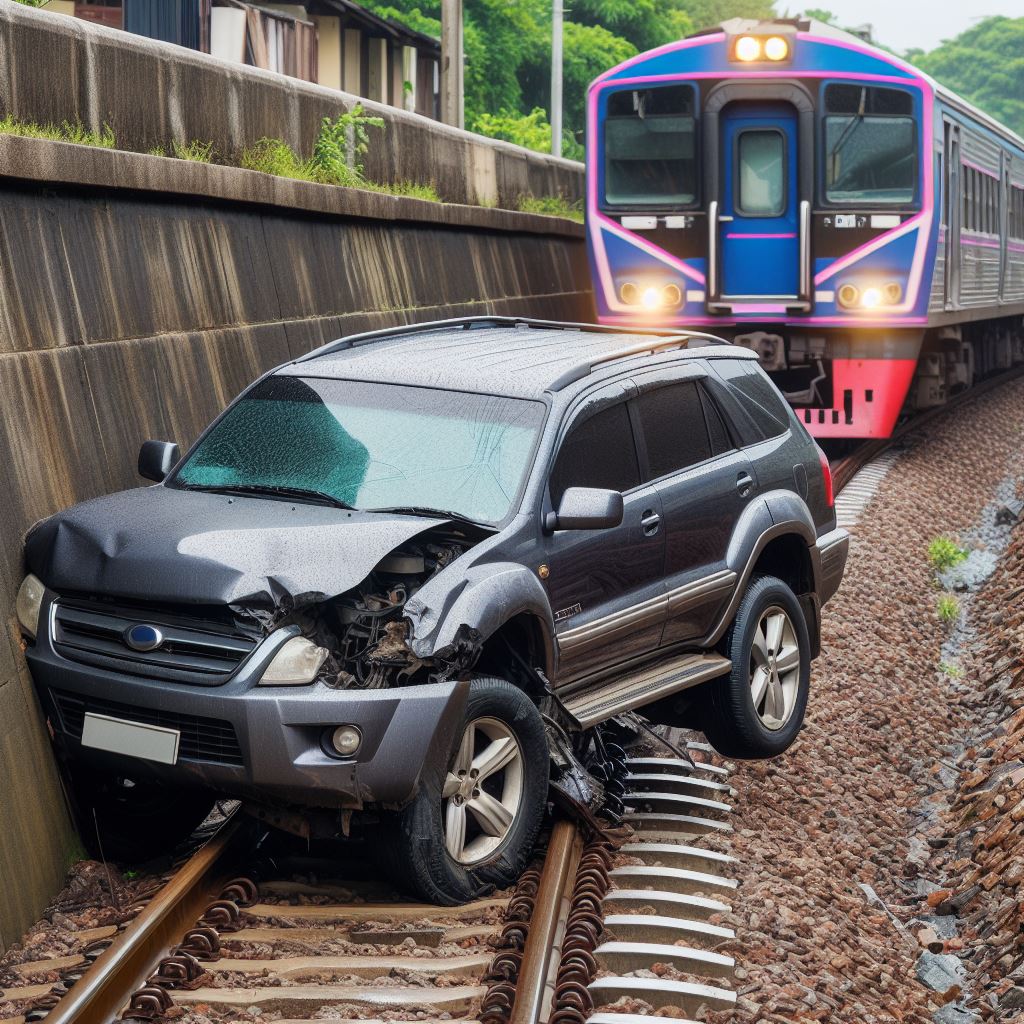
(769, 183)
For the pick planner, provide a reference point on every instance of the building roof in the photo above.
(506, 356)
(374, 24)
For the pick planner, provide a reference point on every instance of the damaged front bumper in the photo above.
(266, 743)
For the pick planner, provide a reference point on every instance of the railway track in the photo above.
(619, 926)
(846, 468)
(610, 916)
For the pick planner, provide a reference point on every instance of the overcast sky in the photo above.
(902, 24)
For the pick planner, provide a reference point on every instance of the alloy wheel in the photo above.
(482, 791)
(774, 668)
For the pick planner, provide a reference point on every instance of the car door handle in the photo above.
(650, 521)
(744, 484)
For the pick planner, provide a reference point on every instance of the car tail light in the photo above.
(826, 476)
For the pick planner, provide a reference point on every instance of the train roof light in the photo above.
(776, 48)
(747, 48)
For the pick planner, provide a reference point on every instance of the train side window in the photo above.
(650, 141)
(870, 145)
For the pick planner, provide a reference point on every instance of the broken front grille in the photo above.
(202, 739)
(190, 651)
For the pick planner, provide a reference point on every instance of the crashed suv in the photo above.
(403, 579)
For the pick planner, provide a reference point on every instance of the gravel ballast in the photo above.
(845, 841)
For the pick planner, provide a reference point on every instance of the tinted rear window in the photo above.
(599, 452)
(757, 394)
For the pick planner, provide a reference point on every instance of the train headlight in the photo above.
(651, 298)
(848, 295)
(629, 293)
(893, 293)
(871, 298)
(776, 48)
(748, 48)
(672, 295)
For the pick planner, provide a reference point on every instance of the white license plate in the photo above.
(150, 742)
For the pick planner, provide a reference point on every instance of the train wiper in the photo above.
(274, 490)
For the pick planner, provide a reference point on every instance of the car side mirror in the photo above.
(586, 508)
(157, 458)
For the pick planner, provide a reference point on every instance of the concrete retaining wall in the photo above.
(138, 309)
(55, 68)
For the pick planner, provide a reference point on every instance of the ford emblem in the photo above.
(143, 637)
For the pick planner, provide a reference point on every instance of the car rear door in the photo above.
(606, 587)
(704, 482)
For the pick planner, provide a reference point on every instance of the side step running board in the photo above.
(611, 697)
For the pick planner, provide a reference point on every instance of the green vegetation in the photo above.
(409, 189)
(336, 157)
(944, 553)
(508, 53)
(948, 608)
(199, 152)
(984, 64)
(552, 206)
(951, 669)
(68, 131)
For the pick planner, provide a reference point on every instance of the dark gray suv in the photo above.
(408, 574)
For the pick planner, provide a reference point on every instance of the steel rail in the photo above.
(539, 960)
(128, 961)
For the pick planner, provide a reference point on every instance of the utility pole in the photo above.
(452, 102)
(556, 76)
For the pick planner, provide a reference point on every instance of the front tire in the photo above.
(757, 711)
(472, 826)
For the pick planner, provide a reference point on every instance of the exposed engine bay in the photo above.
(363, 630)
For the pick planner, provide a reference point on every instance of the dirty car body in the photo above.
(337, 551)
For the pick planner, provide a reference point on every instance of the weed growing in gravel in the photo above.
(68, 131)
(944, 553)
(950, 669)
(552, 206)
(948, 609)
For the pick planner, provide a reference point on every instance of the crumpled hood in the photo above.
(168, 545)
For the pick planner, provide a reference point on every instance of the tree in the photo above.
(984, 65)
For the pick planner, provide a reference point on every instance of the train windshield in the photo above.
(650, 147)
(870, 145)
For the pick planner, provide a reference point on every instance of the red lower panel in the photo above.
(877, 388)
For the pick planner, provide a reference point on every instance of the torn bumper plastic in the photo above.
(262, 742)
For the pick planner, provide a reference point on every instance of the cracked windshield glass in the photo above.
(372, 446)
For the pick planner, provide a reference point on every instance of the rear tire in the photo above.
(757, 711)
(466, 834)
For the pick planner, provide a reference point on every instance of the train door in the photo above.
(953, 208)
(759, 222)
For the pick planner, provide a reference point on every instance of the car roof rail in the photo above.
(473, 322)
(677, 340)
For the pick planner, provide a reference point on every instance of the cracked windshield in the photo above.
(372, 446)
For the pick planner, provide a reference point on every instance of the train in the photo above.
(796, 190)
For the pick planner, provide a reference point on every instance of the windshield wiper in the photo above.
(430, 513)
(307, 493)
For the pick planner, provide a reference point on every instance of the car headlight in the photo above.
(295, 664)
(28, 604)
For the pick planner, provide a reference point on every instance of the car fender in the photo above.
(772, 515)
(487, 597)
